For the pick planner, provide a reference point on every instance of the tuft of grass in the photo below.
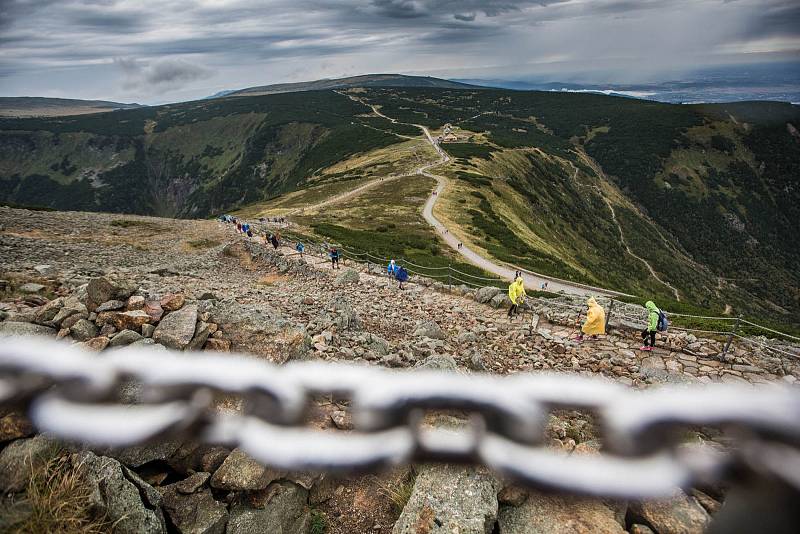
(400, 492)
(57, 500)
(203, 243)
(318, 523)
(127, 223)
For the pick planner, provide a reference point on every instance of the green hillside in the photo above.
(707, 195)
(192, 159)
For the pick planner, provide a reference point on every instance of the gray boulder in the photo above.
(349, 276)
(142, 454)
(677, 514)
(486, 294)
(545, 513)
(286, 512)
(346, 316)
(131, 504)
(84, 330)
(429, 329)
(177, 329)
(48, 312)
(500, 300)
(450, 498)
(191, 509)
(31, 288)
(71, 308)
(240, 472)
(20, 458)
(437, 362)
(465, 338)
(105, 288)
(111, 305)
(378, 345)
(13, 328)
(46, 270)
(202, 331)
(126, 337)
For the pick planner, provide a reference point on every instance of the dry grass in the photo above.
(270, 280)
(399, 492)
(57, 500)
(202, 244)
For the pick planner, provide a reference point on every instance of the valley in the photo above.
(690, 205)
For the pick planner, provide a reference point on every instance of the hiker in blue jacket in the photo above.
(391, 269)
(401, 275)
(300, 248)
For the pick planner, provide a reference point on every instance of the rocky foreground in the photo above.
(108, 281)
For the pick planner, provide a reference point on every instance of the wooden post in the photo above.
(730, 336)
(608, 314)
(449, 278)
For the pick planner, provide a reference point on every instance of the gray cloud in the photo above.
(160, 75)
(65, 46)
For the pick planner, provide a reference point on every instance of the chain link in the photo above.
(79, 396)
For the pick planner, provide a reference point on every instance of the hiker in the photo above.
(401, 275)
(275, 242)
(249, 232)
(595, 321)
(238, 227)
(516, 292)
(391, 269)
(334, 256)
(300, 248)
(649, 333)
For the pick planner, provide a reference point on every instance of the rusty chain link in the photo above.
(76, 395)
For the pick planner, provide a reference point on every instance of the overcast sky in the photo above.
(169, 50)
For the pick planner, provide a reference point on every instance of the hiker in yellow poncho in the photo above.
(595, 320)
(516, 292)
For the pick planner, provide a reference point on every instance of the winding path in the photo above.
(532, 279)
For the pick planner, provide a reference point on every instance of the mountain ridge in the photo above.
(37, 106)
(364, 80)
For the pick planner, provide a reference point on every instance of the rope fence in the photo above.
(633, 313)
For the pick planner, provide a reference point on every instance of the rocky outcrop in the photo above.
(131, 504)
(106, 288)
(177, 329)
(430, 330)
(190, 507)
(449, 498)
(13, 328)
(239, 472)
(543, 513)
(20, 458)
(283, 510)
(680, 514)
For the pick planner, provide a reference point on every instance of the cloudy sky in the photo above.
(154, 51)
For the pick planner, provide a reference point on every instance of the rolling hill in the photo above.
(368, 80)
(29, 106)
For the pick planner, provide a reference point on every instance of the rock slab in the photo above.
(176, 330)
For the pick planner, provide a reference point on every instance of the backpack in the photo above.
(663, 322)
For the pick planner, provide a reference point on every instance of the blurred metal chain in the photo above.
(76, 395)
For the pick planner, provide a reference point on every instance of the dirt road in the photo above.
(532, 280)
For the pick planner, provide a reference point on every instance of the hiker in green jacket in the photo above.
(649, 333)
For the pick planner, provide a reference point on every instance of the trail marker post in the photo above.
(730, 336)
(608, 314)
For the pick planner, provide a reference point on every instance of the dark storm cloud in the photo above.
(164, 73)
(181, 42)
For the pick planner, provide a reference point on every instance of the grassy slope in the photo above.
(724, 214)
(194, 159)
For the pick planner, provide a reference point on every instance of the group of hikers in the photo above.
(593, 326)
(398, 272)
(595, 323)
